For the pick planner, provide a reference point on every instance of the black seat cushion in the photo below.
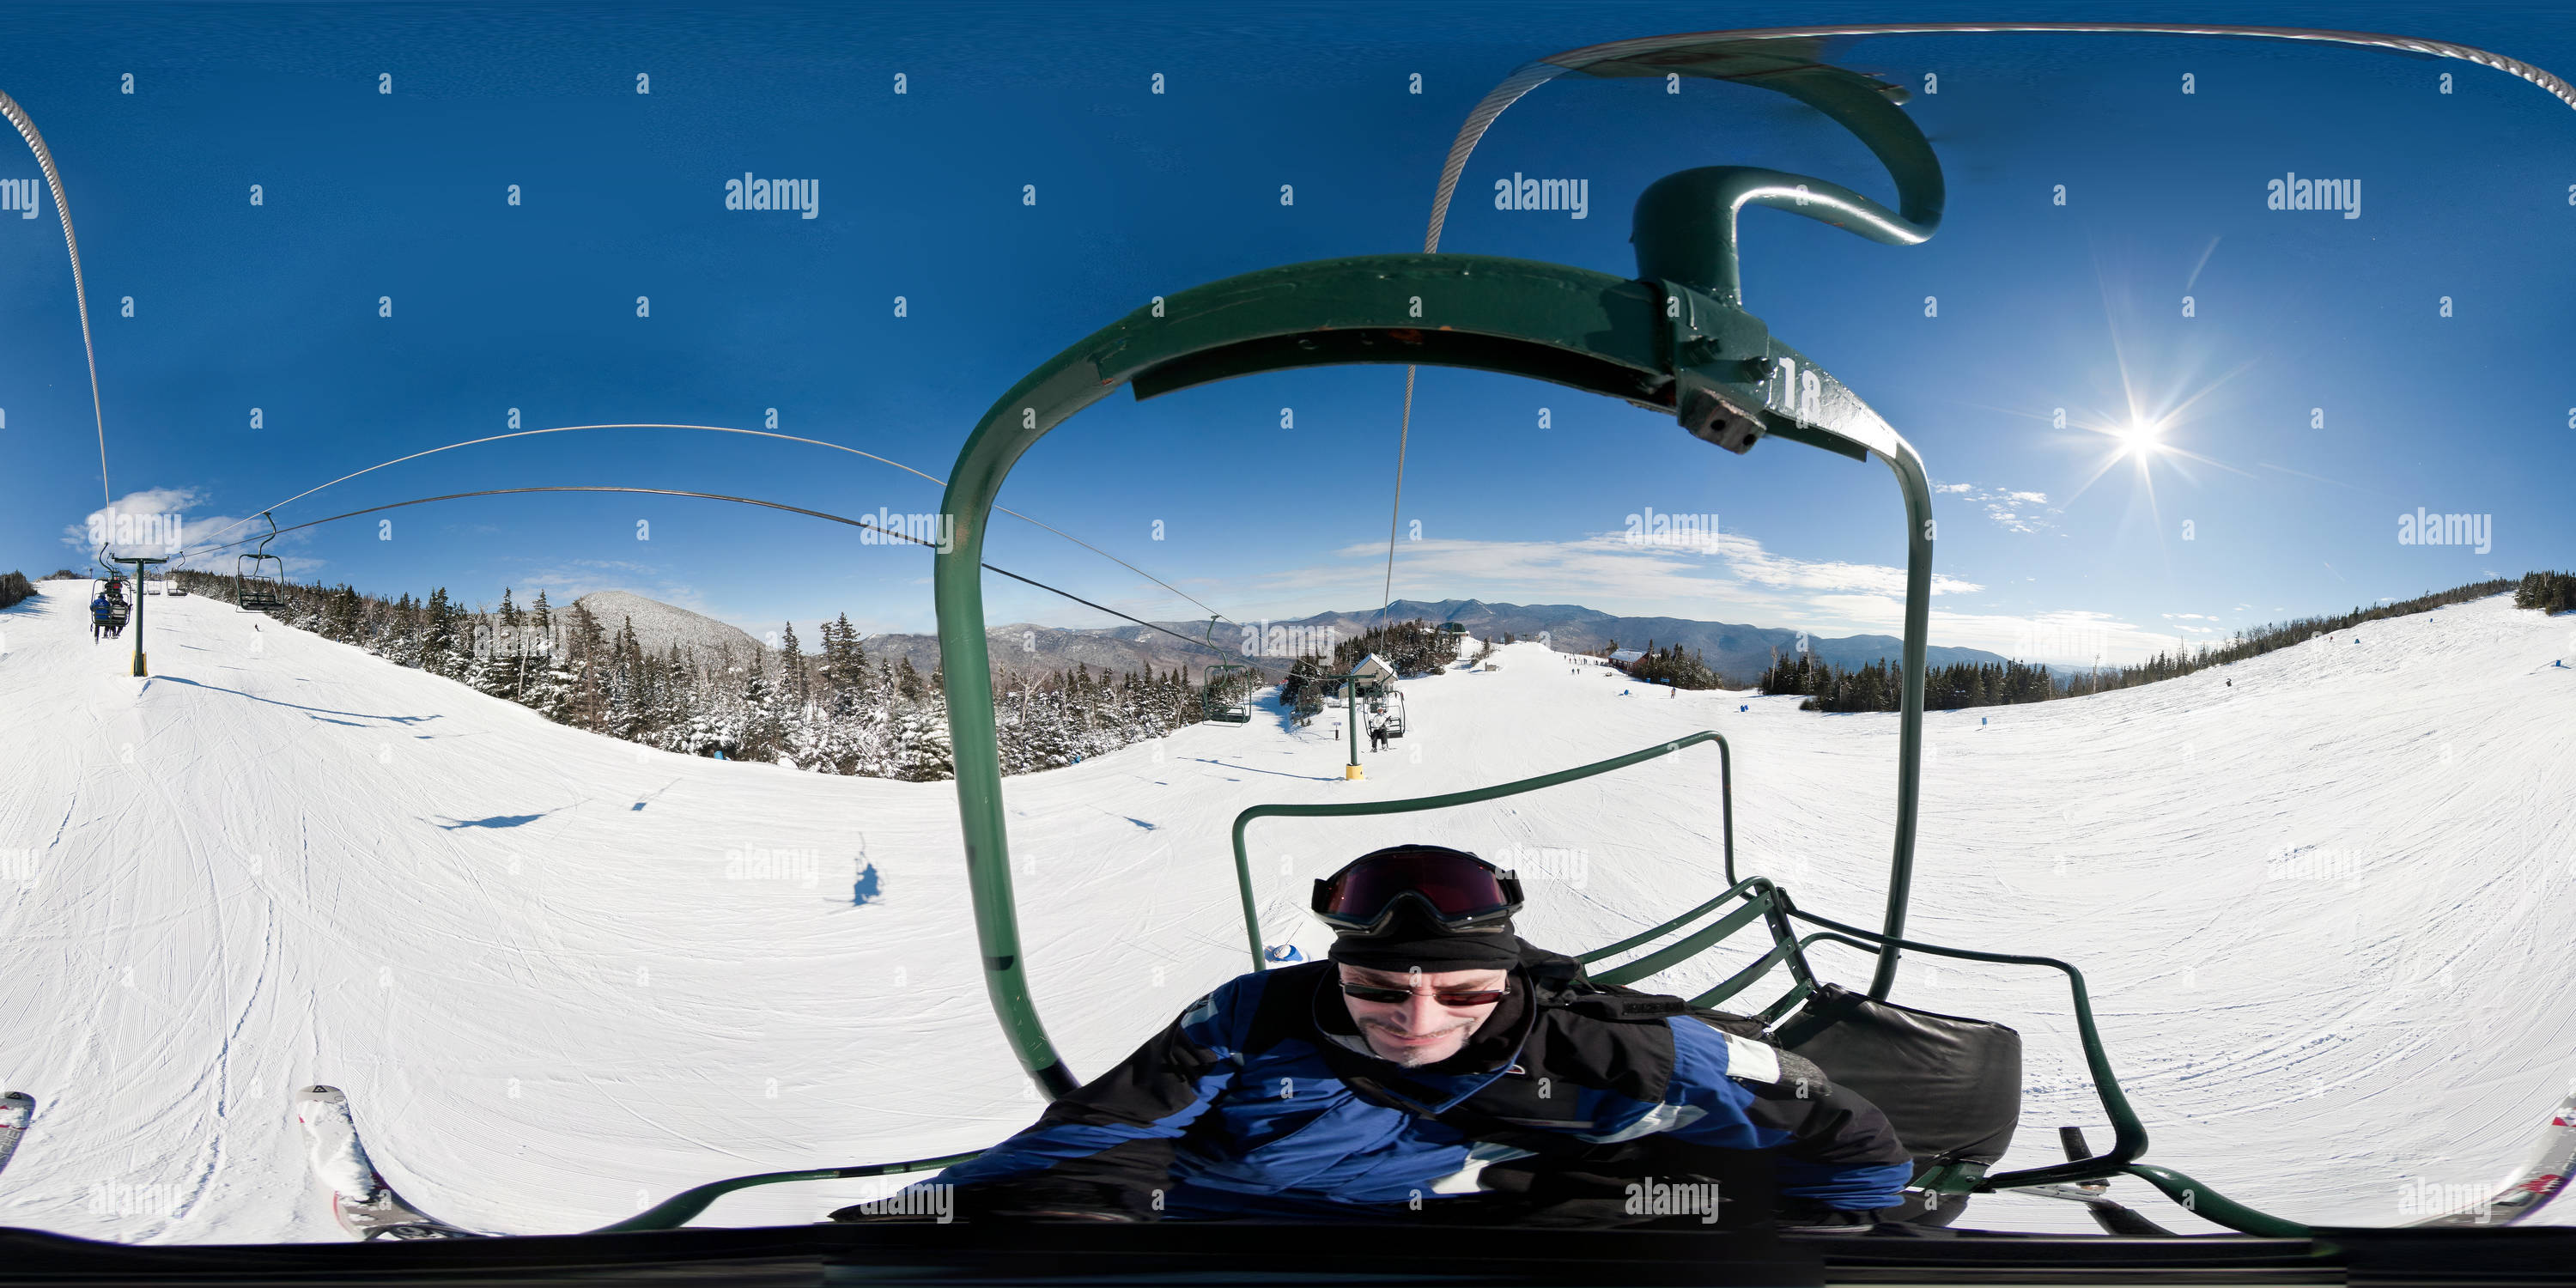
(1950, 1086)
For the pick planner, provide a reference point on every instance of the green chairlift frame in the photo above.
(253, 589)
(1224, 695)
(1222, 699)
(1391, 704)
(112, 584)
(1675, 339)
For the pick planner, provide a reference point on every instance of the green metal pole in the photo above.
(1919, 533)
(1351, 695)
(138, 619)
(139, 567)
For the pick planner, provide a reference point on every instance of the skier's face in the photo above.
(1420, 1030)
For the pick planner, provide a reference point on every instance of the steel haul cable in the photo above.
(712, 429)
(716, 496)
(80, 291)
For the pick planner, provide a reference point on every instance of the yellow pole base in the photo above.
(1350, 771)
(138, 665)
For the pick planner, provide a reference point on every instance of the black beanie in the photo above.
(1415, 942)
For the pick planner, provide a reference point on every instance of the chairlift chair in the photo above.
(113, 587)
(1392, 707)
(256, 588)
(1676, 337)
(1227, 695)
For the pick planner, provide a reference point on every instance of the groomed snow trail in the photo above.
(561, 976)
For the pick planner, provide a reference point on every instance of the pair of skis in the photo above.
(366, 1206)
(360, 1199)
(369, 1208)
(17, 1109)
(2530, 1188)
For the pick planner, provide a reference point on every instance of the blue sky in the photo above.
(2052, 543)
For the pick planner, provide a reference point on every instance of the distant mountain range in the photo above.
(1738, 652)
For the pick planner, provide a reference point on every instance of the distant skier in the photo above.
(102, 618)
(1377, 735)
(1304, 1091)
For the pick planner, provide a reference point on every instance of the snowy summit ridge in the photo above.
(658, 626)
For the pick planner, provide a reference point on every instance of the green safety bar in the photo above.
(1761, 900)
(683, 1207)
(2128, 1134)
(1349, 809)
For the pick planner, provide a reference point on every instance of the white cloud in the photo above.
(1726, 577)
(139, 518)
(2011, 509)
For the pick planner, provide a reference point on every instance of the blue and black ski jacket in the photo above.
(1262, 1098)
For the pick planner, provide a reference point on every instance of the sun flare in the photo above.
(2141, 437)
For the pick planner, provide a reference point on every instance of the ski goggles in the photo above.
(1456, 999)
(1457, 890)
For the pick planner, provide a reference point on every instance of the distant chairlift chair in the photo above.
(113, 587)
(1389, 707)
(256, 589)
(1227, 699)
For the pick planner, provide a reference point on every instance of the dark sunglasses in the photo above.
(1456, 998)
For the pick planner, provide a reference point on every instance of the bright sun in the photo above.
(2141, 437)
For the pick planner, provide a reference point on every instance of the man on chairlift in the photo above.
(1437, 1067)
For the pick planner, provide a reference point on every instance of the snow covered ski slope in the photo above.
(2322, 912)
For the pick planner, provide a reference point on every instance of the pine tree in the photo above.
(791, 671)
